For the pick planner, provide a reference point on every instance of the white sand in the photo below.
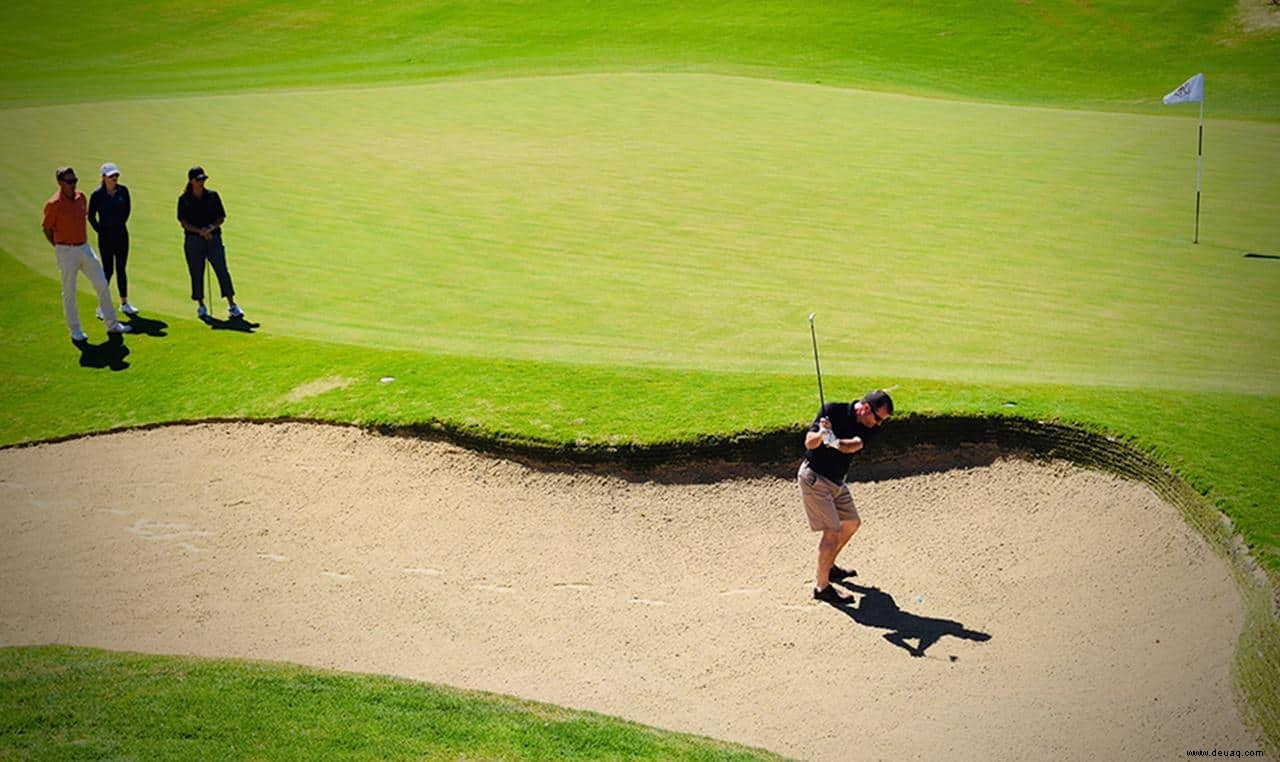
(1077, 615)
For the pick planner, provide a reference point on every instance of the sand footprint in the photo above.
(571, 586)
(32, 499)
(810, 607)
(496, 588)
(422, 571)
(158, 530)
(273, 557)
(742, 591)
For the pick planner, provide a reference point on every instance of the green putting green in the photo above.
(692, 221)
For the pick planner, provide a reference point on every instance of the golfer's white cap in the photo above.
(110, 169)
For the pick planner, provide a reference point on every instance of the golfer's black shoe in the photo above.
(831, 595)
(838, 574)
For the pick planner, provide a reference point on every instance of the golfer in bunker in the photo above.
(840, 430)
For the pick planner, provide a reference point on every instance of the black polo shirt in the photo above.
(109, 211)
(828, 461)
(200, 212)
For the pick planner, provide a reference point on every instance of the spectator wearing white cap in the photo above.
(109, 208)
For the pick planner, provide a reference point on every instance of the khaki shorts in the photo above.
(825, 502)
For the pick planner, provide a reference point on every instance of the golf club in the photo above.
(829, 437)
(822, 403)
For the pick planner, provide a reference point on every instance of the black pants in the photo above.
(199, 251)
(113, 248)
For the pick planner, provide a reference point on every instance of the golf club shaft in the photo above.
(822, 402)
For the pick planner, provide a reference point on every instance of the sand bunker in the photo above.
(1064, 613)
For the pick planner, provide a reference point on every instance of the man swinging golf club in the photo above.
(840, 430)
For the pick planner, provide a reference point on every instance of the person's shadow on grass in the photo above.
(876, 608)
(109, 354)
(230, 324)
(146, 326)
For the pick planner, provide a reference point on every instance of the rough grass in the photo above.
(58, 702)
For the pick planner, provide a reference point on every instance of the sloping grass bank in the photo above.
(65, 703)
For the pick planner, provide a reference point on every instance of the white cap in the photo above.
(110, 169)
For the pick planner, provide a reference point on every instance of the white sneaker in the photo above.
(97, 312)
(128, 309)
(201, 311)
(120, 328)
(235, 311)
(78, 336)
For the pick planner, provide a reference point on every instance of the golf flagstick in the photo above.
(1192, 91)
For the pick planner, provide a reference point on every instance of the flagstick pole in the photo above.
(1199, 159)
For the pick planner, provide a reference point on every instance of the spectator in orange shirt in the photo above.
(65, 216)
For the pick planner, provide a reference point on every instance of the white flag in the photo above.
(1191, 91)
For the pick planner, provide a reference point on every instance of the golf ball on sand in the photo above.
(919, 599)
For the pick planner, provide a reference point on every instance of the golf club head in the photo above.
(811, 314)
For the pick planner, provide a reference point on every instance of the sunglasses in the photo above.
(69, 180)
(879, 418)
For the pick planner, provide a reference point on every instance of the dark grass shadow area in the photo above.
(878, 609)
(110, 354)
(1255, 255)
(713, 459)
(230, 324)
(147, 327)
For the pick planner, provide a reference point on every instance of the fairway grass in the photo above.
(1102, 54)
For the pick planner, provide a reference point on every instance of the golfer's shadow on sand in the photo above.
(876, 608)
(230, 324)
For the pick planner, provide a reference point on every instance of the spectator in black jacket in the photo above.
(109, 208)
(201, 215)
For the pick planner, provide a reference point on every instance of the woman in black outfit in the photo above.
(109, 208)
(201, 214)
